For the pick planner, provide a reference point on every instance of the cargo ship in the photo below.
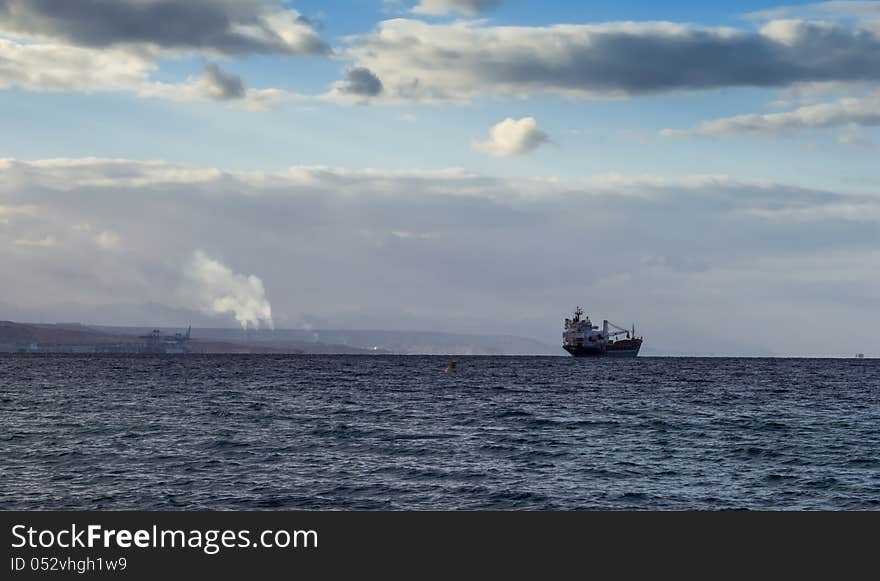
(581, 338)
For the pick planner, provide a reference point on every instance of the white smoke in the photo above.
(218, 289)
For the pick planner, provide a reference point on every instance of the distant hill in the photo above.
(80, 338)
(375, 341)
(207, 340)
(13, 334)
(259, 341)
(67, 336)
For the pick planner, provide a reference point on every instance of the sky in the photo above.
(707, 171)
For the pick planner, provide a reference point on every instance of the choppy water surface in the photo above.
(341, 432)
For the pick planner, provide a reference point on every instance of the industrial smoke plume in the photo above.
(217, 289)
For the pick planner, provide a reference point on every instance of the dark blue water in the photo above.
(341, 432)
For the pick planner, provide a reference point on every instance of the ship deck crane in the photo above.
(620, 330)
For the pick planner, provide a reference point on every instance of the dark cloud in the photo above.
(225, 26)
(362, 82)
(417, 60)
(222, 86)
(470, 7)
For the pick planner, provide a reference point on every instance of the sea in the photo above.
(299, 432)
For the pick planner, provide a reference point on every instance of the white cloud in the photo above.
(45, 242)
(418, 61)
(853, 135)
(844, 113)
(441, 7)
(218, 85)
(105, 239)
(513, 137)
(7, 213)
(53, 67)
(57, 67)
(220, 290)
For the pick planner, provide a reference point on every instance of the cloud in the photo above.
(852, 135)
(117, 45)
(105, 239)
(418, 61)
(440, 7)
(676, 263)
(216, 85)
(53, 67)
(513, 137)
(45, 242)
(821, 10)
(8, 213)
(359, 82)
(449, 250)
(220, 290)
(229, 27)
(222, 86)
(845, 113)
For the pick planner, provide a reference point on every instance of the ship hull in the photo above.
(622, 353)
(621, 350)
(578, 351)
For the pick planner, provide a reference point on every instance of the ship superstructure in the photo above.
(581, 338)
